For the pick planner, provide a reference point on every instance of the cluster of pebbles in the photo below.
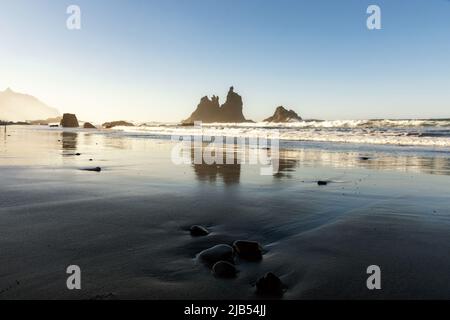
(221, 260)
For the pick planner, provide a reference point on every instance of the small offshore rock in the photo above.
(88, 125)
(69, 120)
(269, 285)
(121, 123)
(248, 250)
(220, 252)
(364, 158)
(322, 183)
(198, 231)
(283, 115)
(224, 269)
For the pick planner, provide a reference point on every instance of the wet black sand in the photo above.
(127, 226)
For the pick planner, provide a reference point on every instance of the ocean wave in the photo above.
(434, 133)
(368, 123)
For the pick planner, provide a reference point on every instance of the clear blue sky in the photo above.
(153, 60)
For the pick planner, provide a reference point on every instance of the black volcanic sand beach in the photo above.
(127, 227)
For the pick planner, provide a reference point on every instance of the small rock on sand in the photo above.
(95, 169)
(224, 269)
(322, 183)
(220, 252)
(248, 250)
(269, 285)
(198, 231)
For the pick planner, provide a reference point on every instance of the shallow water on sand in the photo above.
(126, 226)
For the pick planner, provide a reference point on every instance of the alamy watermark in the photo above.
(374, 280)
(374, 20)
(203, 149)
(73, 22)
(73, 282)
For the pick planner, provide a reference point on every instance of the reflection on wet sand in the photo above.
(378, 161)
(69, 140)
(286, 167)
(4, 134)
(291, 160)
(28, 145)
(230, 173)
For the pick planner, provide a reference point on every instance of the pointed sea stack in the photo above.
(208, 110)
(231, 110)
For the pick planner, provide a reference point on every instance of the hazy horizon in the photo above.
(154, 60)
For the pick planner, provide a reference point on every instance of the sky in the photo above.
(152, 60)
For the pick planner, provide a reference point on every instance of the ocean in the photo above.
(425, 133)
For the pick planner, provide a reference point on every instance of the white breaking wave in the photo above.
(433, 133)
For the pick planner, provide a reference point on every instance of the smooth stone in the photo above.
(248, 250)
(224, 269)
(322, 183)
(220, 252)
(198, 231)
(364, 158)
(269, 285)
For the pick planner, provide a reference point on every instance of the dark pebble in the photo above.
(198, 231)
(224, 269)
(248, 250)
(96, 169)
(322, 183)
(270, 285)
(220, 252)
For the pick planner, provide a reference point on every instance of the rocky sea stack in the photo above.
(88, 125)
(69, 120)
(209, 110)
(283, 115)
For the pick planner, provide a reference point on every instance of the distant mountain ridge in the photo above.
(16, 106)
